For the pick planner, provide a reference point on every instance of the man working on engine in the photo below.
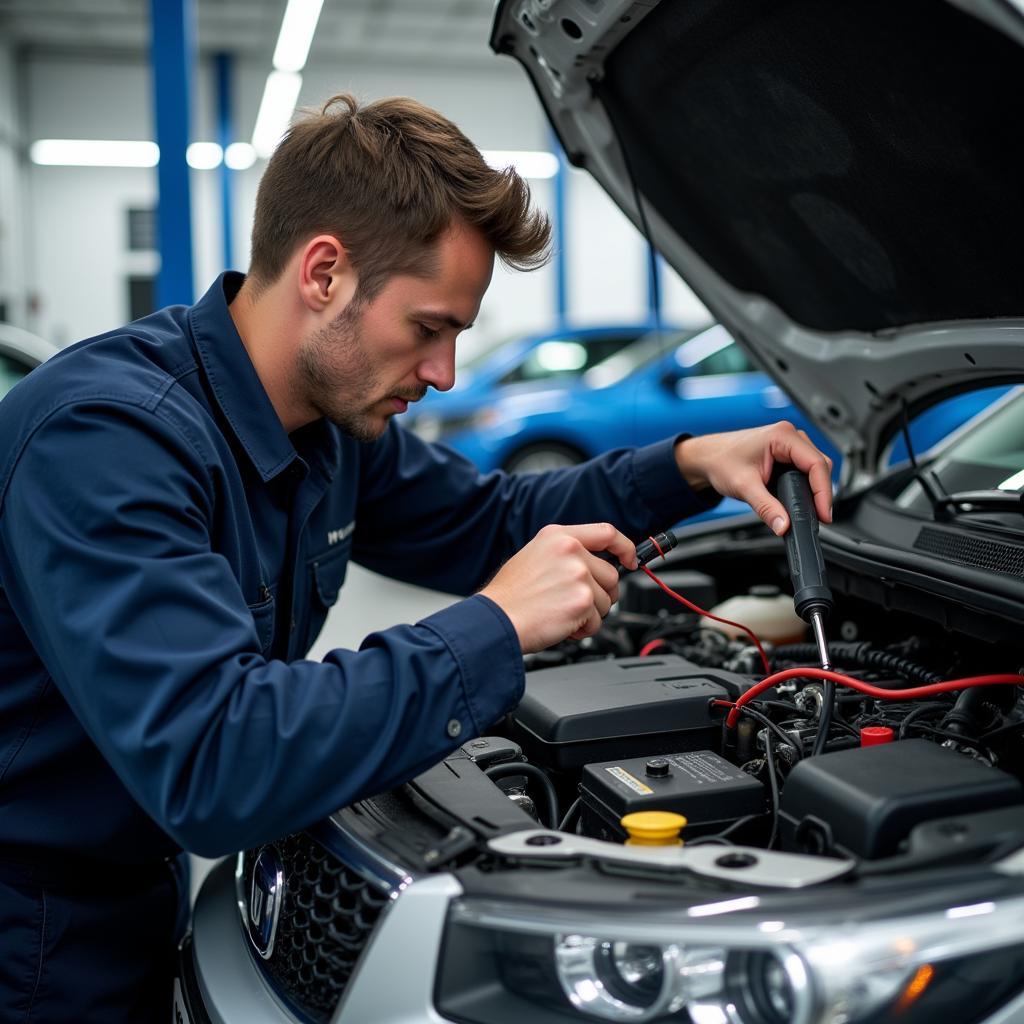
(179, 500)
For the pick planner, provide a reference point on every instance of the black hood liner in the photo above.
(859, 163)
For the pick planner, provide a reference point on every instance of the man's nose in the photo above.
(438, 370)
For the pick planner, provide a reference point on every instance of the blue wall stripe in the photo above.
(561, 234)
(225, 136)
(173, 56)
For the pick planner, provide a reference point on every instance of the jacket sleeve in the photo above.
(107, 561)
(428, 516)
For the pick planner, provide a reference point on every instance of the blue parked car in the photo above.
(698, 380)
(535, 359)
(510, 416)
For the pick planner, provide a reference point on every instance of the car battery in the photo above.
(709, 791)
(620, 707)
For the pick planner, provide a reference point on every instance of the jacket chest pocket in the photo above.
(263, 613)
(328, 572)
(326, 575)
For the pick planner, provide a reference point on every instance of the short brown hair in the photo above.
(387, 179)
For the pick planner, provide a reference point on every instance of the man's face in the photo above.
(375, 357)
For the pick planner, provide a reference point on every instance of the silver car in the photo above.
(841, 184)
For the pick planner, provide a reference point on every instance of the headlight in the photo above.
(510, 963)
(623, 981)
(618, 980)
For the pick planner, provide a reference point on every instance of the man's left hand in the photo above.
(738, 465)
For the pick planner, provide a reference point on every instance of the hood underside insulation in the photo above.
(859, 163)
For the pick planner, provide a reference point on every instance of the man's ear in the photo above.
(327, 279)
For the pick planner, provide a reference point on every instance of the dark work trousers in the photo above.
(96, 945)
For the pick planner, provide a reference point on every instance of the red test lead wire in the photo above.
(708, 615)
(867, 688)
(771, 680)
(651, 645)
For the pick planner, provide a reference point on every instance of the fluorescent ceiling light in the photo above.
(240, 156)
(528, 163)
(204, 156)
(297, 29)
(94, 153)
(276, 108)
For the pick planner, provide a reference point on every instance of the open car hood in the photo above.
(840, 181)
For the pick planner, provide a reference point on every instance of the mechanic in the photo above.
(179, 500)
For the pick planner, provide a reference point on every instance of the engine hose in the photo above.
(572, 816)
(861, 655)
(919, 712)
(828, 702)
(532, 772)
(963, 718)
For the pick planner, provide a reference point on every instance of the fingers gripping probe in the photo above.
(654, 547)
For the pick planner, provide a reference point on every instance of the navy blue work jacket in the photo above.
(168, 554)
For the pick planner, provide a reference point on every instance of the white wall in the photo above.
(13, 287)
(76, 257)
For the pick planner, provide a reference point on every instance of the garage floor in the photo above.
(367, 603)
(370, 602)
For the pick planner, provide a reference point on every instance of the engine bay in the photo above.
(635, 719)
(834, 824)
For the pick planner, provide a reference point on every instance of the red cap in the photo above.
(872, 735)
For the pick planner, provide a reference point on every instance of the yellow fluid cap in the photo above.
(653, 828)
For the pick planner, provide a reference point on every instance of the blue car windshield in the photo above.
(988, 455)
(643, 352)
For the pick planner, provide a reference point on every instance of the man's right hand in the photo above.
(556, 587)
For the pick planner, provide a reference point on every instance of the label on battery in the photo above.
(705, 766)
(629, 780)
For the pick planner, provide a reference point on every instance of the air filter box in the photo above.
(709, 791)
(620, 707)
(866, 801)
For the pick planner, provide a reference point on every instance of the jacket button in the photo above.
(454, 728)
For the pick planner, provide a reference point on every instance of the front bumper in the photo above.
(220, 982)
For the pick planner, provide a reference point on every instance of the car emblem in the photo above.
(266, 894)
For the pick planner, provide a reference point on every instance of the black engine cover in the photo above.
(864, 802)
(620, 707)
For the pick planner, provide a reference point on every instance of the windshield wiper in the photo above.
(933, 491)
(947, 506)
(967, 502)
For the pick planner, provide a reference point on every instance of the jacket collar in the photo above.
(234, 383)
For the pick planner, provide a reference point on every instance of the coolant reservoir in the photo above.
(765, 610)
(653, 828)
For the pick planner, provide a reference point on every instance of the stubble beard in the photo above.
(335, 374)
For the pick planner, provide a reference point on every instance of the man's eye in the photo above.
(428, 332)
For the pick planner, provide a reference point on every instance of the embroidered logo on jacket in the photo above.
(336, 536)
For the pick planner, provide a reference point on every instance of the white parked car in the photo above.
(20, 352)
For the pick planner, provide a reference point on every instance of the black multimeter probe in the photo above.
(812, 597)
(653, 547)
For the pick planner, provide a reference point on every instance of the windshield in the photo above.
(988, 456)
(642, 352)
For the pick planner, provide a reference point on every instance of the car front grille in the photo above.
(327, 916)
(981, 554)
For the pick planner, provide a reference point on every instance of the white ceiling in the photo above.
(440, 32)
